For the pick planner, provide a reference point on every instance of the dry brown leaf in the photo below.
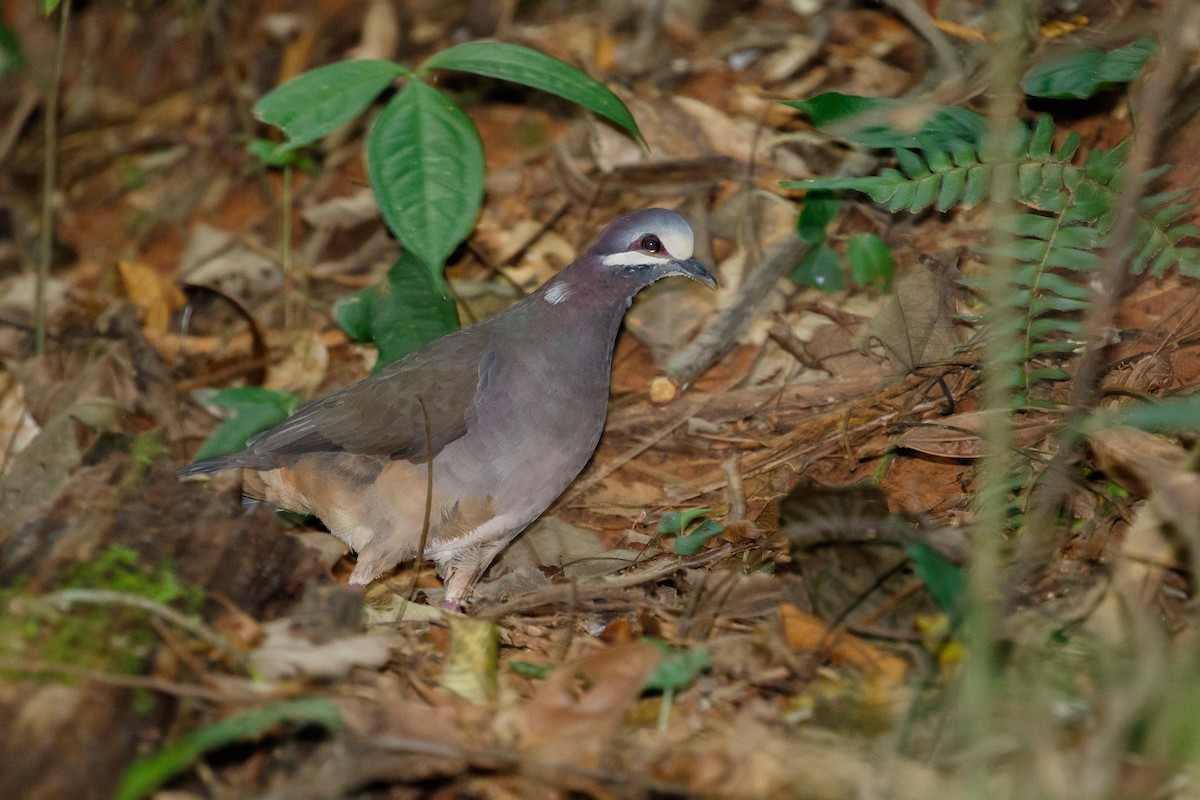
(303, 369)
(916, 327)
(961, 435)
(575, 713)
(157, 297)
(805, 632)
(17, 427)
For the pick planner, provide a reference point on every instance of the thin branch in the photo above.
(68, 597)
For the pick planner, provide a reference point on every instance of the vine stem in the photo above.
(49, 181)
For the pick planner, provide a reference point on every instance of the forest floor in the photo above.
(161, 637)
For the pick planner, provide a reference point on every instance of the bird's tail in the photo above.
(210, 465)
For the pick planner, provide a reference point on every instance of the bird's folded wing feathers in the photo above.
(385, 415)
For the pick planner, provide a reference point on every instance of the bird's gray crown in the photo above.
(645, 238)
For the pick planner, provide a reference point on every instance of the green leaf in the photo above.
(872, 122)
(676, 522)
(324, 99)
(871, 260)
(400, 313)
(48, 6)
(694, 542)
(150, 772)
(255, 409)
(676, 670)
(425, 162)
(821, 269)
(1088, 72)
(512, 62)
(942, 577)
(11, 56)
(820, 208)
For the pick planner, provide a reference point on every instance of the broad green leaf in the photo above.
(695, 540)
(425, 162)
(512, 62)
(820, 207)
(871, 260)
(676, 522)
(400, 313)
(48, 6)
(942, 577)
(1088, 72)
(324, 99)
(255, 409)
(150, 772)
(821, 269)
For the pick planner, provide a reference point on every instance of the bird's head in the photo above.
(651, 244)
(632, 252)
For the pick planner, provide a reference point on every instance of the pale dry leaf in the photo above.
(157, 297)
(380, 33)
(671, 135)
(38, 473)
(733, 137)
(339, 213)
(17, 426)
(286, 652)
(303, 369)
(961, 435)
(472, 664)
(917, 327)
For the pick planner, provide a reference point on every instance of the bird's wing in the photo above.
(385, 414)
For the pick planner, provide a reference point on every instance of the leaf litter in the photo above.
(796, 652)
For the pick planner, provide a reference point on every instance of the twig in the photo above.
(598, 587)
(68, 597)
(949, 64)
(49, 181)
(689, 363)
(115, 679)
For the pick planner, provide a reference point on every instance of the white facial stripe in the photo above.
(633, 258)
(557, 293)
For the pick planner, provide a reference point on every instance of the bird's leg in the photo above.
(460, 574)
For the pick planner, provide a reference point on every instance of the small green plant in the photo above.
(1057, 241)
(425, 162)
(691, 528)
(869, 258)
(254, 409)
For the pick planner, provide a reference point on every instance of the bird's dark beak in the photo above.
(691, 268)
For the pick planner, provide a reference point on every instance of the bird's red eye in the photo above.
(651, 244)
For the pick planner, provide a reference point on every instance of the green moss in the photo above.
(103, 636)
